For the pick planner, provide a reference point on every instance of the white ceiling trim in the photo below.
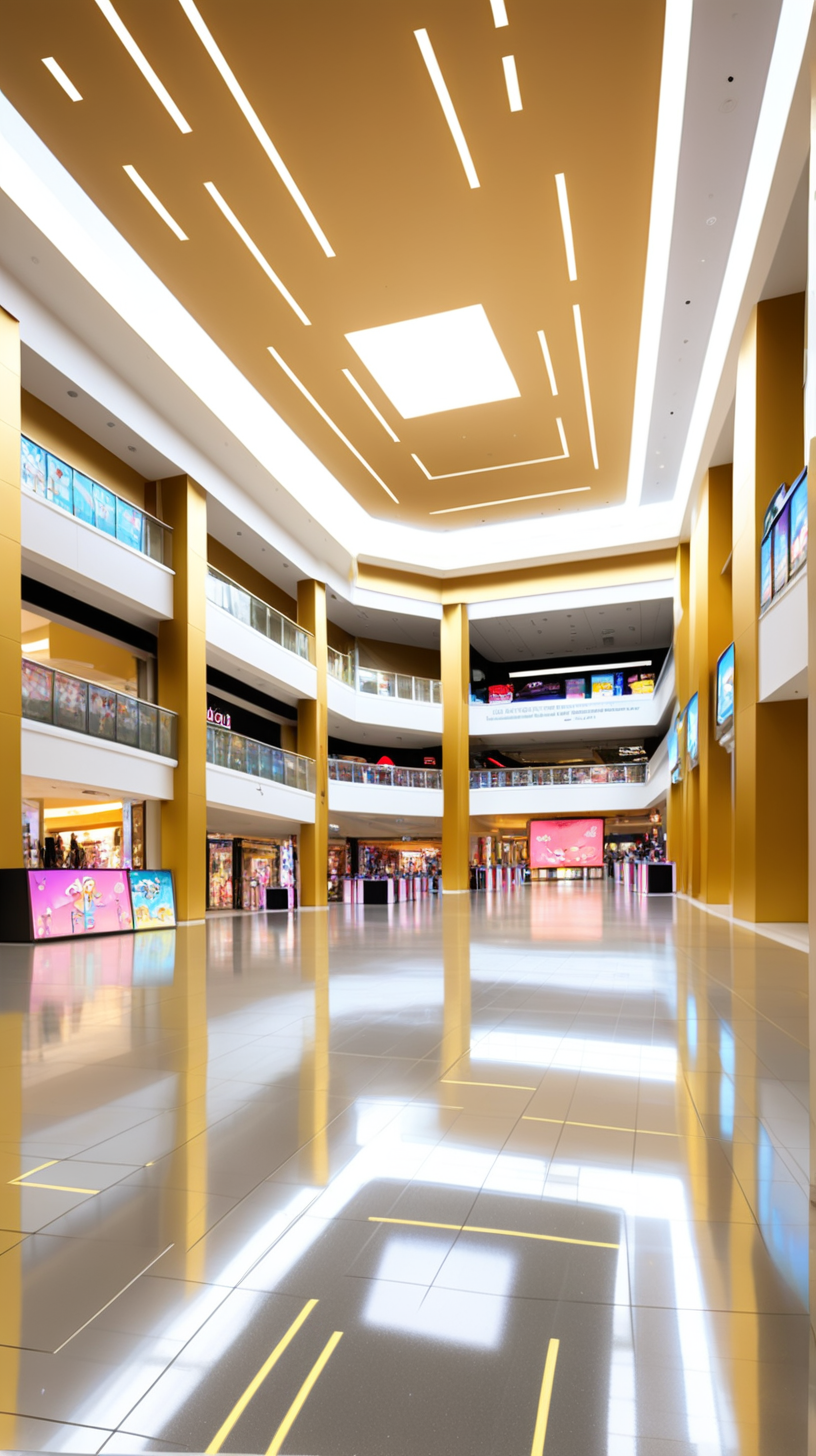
(641, 591)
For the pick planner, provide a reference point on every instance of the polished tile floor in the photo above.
(496, 1177)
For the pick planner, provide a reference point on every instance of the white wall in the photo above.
(382, 799)
(250, 656)
(635, 714)
(289, 808)
(369, 709)
(82, 561)
(783, 644)
(56, 756)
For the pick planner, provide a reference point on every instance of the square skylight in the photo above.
(443, 361)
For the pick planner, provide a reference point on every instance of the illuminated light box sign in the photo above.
(77, 902)
(154, 903)
(219, 719)
(566, 842)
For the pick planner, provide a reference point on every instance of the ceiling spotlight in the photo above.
(73, 394)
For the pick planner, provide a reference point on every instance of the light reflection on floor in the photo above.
(468, 1130)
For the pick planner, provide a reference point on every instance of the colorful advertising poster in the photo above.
(675, 768)
(32, 466)
(129, 521)
(502, 693)
(566, 842)
(603, 685)
(641, 683)
(37, 701)
(154, 904)
(693, 731)
(104, 509)
(538, 691)
(58, 480)
(765, 574)
(781, 558)
(83, 498)
(575, 687)
(725, 686)
(798, 526)
(66, 903)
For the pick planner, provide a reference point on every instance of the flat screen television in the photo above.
(675, 763)
(775, 505)
(799, 523)
(724, 694)
(781, 551)
(603, 685)
(568, 842)
(575, 687)
(765, 573)
(693, 732)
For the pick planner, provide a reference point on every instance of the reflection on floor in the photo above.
(519, 1174)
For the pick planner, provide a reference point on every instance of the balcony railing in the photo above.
(385, 775)
(52, 479)
(383, 684)
(261, 760)
(53, 696)
(557, 777)
(250, 610)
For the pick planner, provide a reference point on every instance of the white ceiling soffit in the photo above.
(581, 633)
(142, 355)
(566, 600)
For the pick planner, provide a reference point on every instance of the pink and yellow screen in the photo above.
(567, 842)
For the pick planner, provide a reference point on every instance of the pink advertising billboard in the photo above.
(566, 842)
(79, 902)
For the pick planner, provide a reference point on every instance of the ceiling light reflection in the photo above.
(250, 114)
(438, 80)
(254, 250)
(157, 206)
(511, 81)
(59, 75)
(134, 51)
(451, 1315)
(578, 1054)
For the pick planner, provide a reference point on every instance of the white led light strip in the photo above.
(119, 28)
(255, 250)
(159, 207)
(449, 111)
(488, 469)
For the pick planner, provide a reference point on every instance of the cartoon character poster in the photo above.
(67, 903)
(154, 905)
(566, 842)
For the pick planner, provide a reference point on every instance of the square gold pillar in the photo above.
(313, 741)
(11, 794)
(770, 826)
(455, 655)
(183, 688)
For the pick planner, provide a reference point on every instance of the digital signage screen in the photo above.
(69, 903)
(154, 903)
(781, 558)
(565, 842)
(603, 685)
(675, 766)
(693, 731)
(725, 687)
(798, 526)
(575, 687)
(765, 573)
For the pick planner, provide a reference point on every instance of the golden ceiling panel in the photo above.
(343, 201)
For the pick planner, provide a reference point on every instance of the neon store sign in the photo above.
(221, 720)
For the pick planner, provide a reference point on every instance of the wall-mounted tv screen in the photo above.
(693, 731)
(603, 685)
(781, 556)
(724, 688)
(799, 525)
(566, 842)
(675, 765)
(575, 687)
(765, 573)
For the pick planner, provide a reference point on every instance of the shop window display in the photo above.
(219, 874)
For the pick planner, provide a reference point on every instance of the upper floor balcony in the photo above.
(80, 537)
(250, 640)
(363, 695)
(574, 718)
(380, 788)
(256, 779)
(84, 733)
(579, 788)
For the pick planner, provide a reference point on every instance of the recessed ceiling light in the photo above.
(547, 362)
(330, 422)
(254, 250)
(440, 87)
(499, 13)
(511, 500)
(250, 115)
(59, 75)
(157, 206)
(442, 361)
(120, 29)
(133, 448)
(566, 225)
(511, 82)
(73, 394)
(371, 405)
(579, 339)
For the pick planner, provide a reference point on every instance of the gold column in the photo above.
(770, 824)
(11, 832)
(709, 804)
(183, 688)
(455, 654)
(676, 797)
(313, 741)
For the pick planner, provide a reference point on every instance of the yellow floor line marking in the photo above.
(506, 1086)
(540, 1432)
(38, 1169)
(470, 1228)
(600, 1126)
(60, 1188)
(240, 1405)
(303, 1394)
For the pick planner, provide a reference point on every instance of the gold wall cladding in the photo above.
(455, 655)
(313, 741)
